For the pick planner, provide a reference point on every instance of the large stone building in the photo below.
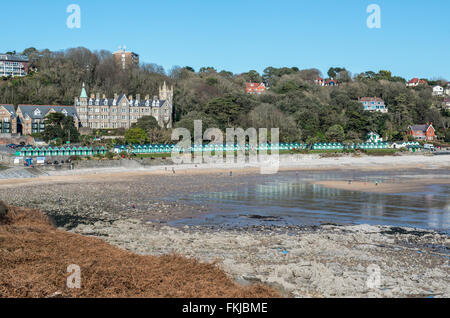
(121, 111)
(29, 119)
(32, 117)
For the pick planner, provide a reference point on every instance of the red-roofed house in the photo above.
(255, 88)
(326, 82)
(422, 132)
(416, 82)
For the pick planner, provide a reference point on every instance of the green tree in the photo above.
(146, 123)
(224, 109)
(31, 50)
(253, 77)
(188, 121)
(136, 136)
(57, 125)
(335, 133)
(334, 71)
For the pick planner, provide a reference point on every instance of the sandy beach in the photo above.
(286, 163)
(412, 185)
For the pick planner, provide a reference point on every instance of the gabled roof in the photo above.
(422, 128)
(416, 80)
(10, 109)
(370, 99)
(30, 110)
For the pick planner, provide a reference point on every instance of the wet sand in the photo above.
(412, 185)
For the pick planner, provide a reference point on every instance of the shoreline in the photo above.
(306, 163)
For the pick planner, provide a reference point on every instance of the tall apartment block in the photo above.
(13, 65)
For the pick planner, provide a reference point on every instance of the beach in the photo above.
(133, 210)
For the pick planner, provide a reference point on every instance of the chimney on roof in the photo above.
(97, 96)
(147, 97)
(155, 97)
(130, 97)
(92, 96)
(116, 96)
(138, 97)
(104, 96)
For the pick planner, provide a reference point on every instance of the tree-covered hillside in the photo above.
(301, 109)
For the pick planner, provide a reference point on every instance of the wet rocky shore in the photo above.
(320, 261)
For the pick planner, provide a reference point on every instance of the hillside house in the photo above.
(255, 88)
(422, 132)
(373, 104)
(438, 90)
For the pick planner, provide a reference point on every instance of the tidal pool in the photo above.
(289, 198)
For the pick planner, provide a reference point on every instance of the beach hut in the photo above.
(42, 152)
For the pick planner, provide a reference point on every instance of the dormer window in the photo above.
(147, 103)
(64, 112)
(114, 103)
(37, 112)
(90, 102)
(105, 102)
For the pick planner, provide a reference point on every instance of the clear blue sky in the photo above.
(240, 35)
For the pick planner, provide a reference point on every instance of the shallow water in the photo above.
(289, 199)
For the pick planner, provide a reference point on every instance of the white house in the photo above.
(438, 90)
(374, 137)
(447, 89)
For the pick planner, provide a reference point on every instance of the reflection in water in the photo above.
(290, 199)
